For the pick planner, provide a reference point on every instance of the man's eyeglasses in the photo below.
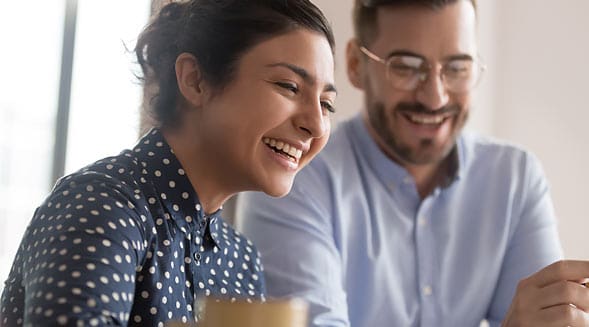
(406, 72)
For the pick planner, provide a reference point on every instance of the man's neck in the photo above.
(428, 177)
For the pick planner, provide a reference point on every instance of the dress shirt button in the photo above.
(427, 290)
(407, 180)
(422, 222)
(391, 186)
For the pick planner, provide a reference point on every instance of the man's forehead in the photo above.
(437, 32)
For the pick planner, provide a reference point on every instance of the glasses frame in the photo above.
(425, 74)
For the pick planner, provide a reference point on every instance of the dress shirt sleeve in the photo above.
(79, 258)
(533, 243)
(295, 236)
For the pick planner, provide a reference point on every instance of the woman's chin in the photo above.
(278, 190)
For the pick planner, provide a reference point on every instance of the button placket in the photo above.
(201, 235)
(427, 260)
(196, 245)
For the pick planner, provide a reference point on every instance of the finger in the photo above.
(562, 315)
(561, 270)
(562, 293)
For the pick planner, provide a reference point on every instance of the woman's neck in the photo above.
(204, 175)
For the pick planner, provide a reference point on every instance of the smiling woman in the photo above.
(242, 96)
(282, 91)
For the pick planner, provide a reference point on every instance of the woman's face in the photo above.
(273, 117)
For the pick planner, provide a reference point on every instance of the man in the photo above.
(403, 220)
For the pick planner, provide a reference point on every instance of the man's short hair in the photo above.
(365, 19)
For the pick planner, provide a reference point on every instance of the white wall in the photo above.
(541, 88)
(532, 94)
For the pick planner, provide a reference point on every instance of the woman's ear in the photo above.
(354, 64)
(190, 79)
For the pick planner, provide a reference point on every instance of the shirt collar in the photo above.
(163, 170)
(389, 170)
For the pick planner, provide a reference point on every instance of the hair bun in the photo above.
(173, 11)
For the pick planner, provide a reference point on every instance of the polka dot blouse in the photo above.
(124, 242)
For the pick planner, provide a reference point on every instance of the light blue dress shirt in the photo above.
(354, 238)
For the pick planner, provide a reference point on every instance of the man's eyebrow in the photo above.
(304, 74)
(460, 56)
(405, 53)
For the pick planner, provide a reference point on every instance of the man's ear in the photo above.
(354, 64)
(190, 79)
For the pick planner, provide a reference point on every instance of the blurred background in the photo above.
(69, 95)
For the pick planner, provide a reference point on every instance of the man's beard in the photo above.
(425, 152)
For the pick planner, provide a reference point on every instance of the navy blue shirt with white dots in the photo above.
(124, 242)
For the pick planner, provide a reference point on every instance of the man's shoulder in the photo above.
(480, 151)
(476, 145)
(340, 148)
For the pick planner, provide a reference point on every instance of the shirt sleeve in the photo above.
(295, 236)
(79, 258)
(534, 242)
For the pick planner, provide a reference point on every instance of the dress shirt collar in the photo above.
(177, 195)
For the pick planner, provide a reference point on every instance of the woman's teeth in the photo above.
(285, 148)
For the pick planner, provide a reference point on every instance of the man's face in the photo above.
(420, 126)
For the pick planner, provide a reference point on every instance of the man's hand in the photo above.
(554, 296)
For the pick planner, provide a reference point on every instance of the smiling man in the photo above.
(404, 219)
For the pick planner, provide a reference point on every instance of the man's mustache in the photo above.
(418, 108)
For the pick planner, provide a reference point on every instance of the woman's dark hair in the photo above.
(217, 33)
(365, 18)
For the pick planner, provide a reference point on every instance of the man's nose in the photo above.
(432, 92)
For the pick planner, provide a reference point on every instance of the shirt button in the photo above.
(422, 222)
(427, 290)
(407, 180)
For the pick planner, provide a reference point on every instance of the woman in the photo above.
(243, 94)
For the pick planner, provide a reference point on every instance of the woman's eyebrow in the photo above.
(304, 74)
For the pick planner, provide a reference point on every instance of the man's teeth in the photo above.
(291, 150)
(421, 119)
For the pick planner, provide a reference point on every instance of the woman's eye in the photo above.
(328, 106)
(288, 86)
